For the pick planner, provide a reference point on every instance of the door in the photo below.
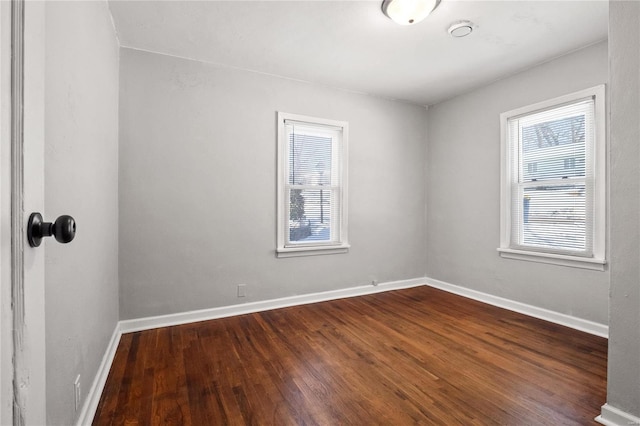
(22, 349)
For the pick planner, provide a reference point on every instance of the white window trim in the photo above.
(283, 216)
(598, 261)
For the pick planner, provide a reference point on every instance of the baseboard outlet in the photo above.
(129, 326)
(612, 416)
(93, 397)
(533, 311)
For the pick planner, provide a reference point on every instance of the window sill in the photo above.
(311, 251)
(554, 259)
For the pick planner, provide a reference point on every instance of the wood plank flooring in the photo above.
(414, 356)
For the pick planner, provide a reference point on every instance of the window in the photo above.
(312, 186)
(553, 181)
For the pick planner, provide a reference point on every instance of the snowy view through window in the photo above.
(311, 195)
(552, 184)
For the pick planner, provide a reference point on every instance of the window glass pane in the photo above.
(554, 217)
(309, 158)
(554, 149)
(311, 214)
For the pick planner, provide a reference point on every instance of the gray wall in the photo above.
(198, 187)
(463, 192)
(624, 338)
(81, 172)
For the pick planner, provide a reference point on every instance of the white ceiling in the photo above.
(352, 45)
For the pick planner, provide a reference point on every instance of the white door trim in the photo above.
(20, 370)
(6, 344)
(27, 193)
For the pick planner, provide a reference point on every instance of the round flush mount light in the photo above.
(461, 29)
(408, 12)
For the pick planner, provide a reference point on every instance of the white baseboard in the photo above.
(93, 397)
(533, 311)
(128, 326)
(612, 416)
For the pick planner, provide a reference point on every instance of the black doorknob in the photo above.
(63, 229)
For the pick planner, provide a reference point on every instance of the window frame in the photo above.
(313, 248)
(598, 259)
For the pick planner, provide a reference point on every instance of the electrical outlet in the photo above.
(242, 290)
(76, 392)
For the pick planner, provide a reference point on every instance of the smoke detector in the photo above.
(461, 29)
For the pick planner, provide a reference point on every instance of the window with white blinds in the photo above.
(311, 185)
(553, 181)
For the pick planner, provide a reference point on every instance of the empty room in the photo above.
(320, 212)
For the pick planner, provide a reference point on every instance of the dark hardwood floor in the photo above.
(415, 356)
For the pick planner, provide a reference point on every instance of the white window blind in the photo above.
(312, 202)
(553, 201)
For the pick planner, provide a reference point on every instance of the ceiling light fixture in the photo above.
(408, 12)
(461, 29)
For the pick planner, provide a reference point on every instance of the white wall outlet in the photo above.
(242, 290)
(76, 392)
